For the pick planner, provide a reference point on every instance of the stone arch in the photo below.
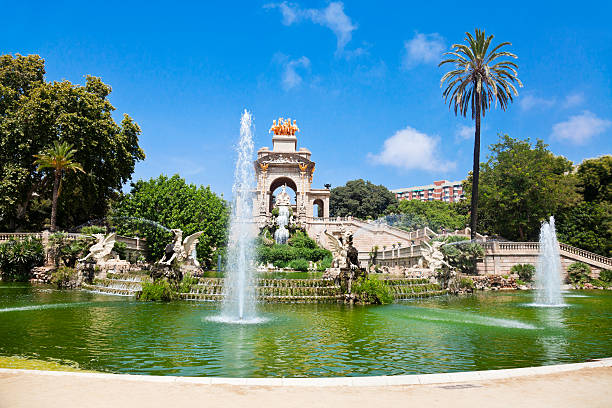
(279, 182)
(320, 208)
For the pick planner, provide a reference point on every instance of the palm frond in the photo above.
(481, 72)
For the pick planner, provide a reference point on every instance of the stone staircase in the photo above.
(414, 288)
(267, 290)
(117, 284)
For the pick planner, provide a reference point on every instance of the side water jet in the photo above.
(548, 268)
(239, 302)
(281, 236)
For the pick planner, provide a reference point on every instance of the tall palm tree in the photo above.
(478, 79)
(58, 158)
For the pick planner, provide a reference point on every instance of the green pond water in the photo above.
(479, 332)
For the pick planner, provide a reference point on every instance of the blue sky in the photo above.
(360, 78)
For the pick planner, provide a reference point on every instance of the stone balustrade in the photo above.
(132, 243)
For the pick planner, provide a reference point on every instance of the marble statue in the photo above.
(101, 250)
(181, 251)
(432, 257)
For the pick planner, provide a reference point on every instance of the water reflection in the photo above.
(485, 331)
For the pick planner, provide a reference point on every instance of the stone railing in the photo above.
(132, 243)
(7, 236)
(534, 247)
(585, 254)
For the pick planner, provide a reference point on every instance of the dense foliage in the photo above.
(160, 290)
(33, 115)
(578, 273)
(296, 254)
(17, 258)
(172, 203)
(525, 272)
(66, 251)
(520, 186)
(415, 214)
(360, 199)
(588, 225)
(461, 255)
(372, 290)
(63, 277)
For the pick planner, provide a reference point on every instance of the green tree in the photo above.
(587, 225)
(33, 115)
(59, 158)
(173, 203)
(522, 185)
(595, 179)
(417, 214)
(360, 199)
(478, 80)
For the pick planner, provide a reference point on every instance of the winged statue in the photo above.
(188, 253)
(337, 249)
(180, 250)
(101, 250)
(432, 255)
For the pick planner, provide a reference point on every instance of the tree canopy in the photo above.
(595, 179)
(521, 185)
(415, 214)
(33, 115)
(360, 199)
(588, 225)
(173, 203)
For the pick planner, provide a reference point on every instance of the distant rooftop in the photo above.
(440, 183)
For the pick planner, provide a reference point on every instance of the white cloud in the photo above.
(423, 49)
(291, 76)
(412, 150)
(465, 132)
(332, 17)
(579, 129)
(573, 100)
(531, 101)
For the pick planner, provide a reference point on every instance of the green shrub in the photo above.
(159, 290)
(121, 249)
(578, 272)
(299, 264)
(524, 271)
(93, 229)
(600, 283)
(325, 263)
(466, 283)
(62, 277)
(17, 258)
(606, 275)
(66, 251)
(372, 290)
(462, 256)
(187, 282)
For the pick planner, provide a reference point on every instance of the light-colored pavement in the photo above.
(582, 387)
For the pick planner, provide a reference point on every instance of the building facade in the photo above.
(442, 190)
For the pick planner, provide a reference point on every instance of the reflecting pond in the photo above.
(489, 330)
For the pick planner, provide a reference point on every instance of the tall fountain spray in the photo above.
(548, 269)
(239, 302)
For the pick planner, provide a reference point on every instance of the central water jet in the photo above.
(239, 301)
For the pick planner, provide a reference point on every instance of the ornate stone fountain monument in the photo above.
(286, 165)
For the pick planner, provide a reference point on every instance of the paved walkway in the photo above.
(584, 387)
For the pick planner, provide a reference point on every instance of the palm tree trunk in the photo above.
(54, 205)
(475, 171)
